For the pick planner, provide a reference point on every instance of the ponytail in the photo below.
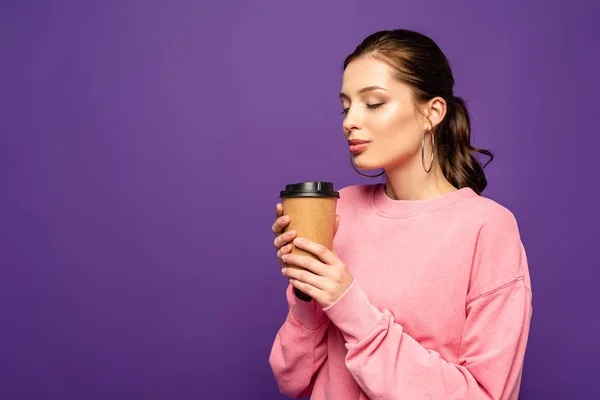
(456, 155)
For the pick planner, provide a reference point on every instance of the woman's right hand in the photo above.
(282, 240)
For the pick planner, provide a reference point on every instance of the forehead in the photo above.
(365, 71)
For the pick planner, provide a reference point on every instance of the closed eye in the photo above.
(370, 106)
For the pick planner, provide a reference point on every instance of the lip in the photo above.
(352, 142)
(358, 148)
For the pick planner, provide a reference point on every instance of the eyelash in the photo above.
(370, 106)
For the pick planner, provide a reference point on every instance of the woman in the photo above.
(426, 293)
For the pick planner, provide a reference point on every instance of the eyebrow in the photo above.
(363, 90)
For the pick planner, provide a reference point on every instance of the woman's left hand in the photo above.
(324, 279)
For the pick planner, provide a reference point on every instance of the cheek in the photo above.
(396, 132)
(387, 123)
(397, 124)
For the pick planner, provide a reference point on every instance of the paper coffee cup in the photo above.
(311, 207)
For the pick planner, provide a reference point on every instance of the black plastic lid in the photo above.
(310, 189)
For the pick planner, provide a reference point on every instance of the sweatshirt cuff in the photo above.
(309, 314)
(353, 314)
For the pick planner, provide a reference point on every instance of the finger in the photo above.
(309, 263)
(322, 252)
(284, 239)
(284, 250)
(278, 210)
(307, 289)
(305, 276)
(280, 223)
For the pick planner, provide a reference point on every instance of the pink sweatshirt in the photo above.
(439, 309)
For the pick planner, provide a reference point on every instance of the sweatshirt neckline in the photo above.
(388, 207)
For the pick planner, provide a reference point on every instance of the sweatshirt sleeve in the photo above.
(300, 347)
(389, 364)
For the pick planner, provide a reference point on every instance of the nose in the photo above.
(351, 122)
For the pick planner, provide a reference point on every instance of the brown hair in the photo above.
(419, 63)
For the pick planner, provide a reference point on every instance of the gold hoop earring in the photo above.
(423, 151)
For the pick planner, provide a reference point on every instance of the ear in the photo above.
(435, 111)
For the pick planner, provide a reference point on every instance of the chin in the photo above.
(365, 164)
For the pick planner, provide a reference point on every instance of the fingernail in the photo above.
(298, 241)
(284, 257)
(283, 271)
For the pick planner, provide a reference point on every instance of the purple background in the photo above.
(144, 144)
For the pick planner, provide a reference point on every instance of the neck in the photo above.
(411, 182)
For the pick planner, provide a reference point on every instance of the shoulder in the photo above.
(491, 216)
(499, 256)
